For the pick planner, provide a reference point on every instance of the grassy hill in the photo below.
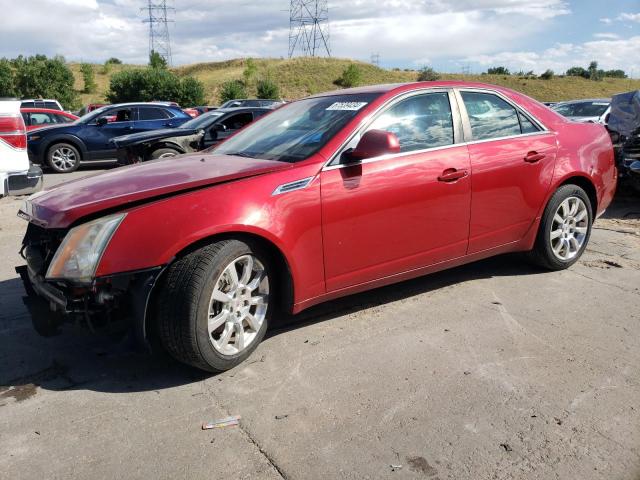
(299, 77)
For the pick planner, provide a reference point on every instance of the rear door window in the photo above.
(420, 121)
(236, 122)
(152, 113)
(490, 116)
(39, 119)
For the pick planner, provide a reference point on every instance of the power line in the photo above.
(309, 27)
(158, 20)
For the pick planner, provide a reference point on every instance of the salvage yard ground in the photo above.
(491, 370)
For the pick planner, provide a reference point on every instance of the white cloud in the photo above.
(606, 36)
(633, 17)
(610, 54)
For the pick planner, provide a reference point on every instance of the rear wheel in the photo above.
(564, 230)
(63, 158)
(214, 305)
(164, 153)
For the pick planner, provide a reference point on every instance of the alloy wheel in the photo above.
(569, 228)
(238, 305)
(64, 158)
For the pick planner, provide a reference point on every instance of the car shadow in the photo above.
(78, 359)
(625, 204)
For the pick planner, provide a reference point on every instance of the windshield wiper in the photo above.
(241, 154)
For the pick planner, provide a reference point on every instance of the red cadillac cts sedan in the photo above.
(326, 196)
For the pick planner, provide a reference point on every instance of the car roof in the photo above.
(143, 104)
(241, 109)
(585, 100)
(44, 110)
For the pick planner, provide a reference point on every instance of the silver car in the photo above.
(587, 110)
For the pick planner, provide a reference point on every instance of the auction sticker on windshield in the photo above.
(347, 106)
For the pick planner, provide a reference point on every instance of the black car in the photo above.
(197, 134)
(623, 124)
(252, 102)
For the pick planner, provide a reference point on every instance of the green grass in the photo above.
(299, 77)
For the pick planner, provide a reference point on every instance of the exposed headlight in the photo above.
(79, 254)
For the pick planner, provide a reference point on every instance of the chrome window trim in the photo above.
(460, 134)
(368, 120)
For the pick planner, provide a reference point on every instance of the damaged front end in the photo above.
(624, 128)
(110, 304)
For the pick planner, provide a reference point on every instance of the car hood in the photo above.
(50, 128)
(152, 135)
(63, 205)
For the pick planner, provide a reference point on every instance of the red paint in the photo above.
(50, 111)
(352, 228)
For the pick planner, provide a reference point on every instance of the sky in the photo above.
(448, 35)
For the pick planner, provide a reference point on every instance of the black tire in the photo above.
(164, 153)
(183, 302)
(542, 253)
(63, 158)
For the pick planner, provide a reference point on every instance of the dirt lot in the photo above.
(492, 370)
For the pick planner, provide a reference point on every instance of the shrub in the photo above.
(154, 84)
(427, 74)
(88, 77)
(157, 61)
(351, 77)
(547, 75)
(113, 61)
(232, 89)
(250, 71)
(39, 76)
(267, 89)
(498, 71)
(7, 80)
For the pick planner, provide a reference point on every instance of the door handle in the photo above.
(451, 175)
(169, 124)
(533, 157)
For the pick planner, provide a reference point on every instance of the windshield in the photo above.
(297, 130)
(581, 109)
(202, 121)
(89, 117)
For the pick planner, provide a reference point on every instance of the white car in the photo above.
(17, 175)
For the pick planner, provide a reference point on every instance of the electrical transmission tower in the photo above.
(309, 27)
(158, 21)
(375, 59)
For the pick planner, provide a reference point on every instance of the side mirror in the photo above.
(373, 143)
(606, 118)
(102, 121)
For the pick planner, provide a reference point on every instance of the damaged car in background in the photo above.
(324, 197)
(202, 132)
(624, 128)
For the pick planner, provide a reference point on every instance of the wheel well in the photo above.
(284, 299)
(62, 140)
(588, 187)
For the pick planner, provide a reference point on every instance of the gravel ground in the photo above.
(491, 370)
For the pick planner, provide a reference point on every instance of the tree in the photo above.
(157, 61)
(577, 72)
(615, 74)
(498, 71)
(250, 71)
(88, 77)
(547, 75)
(351, 77)
(154, 84)
(428, 74)
(7, 80)
(113, 61)
(232, 90)
(594, 73)
(268, 89)
(39, 76)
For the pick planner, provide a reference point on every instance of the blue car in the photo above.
(87, 140)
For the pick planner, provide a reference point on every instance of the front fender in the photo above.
(155, 233)
(63, 137)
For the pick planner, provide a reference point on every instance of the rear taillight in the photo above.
(13, 131)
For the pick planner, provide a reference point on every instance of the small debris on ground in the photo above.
(280, 417)
(446, 329)
(395, 467)
(497, 303)
(466, 372)
(557, 420)
(231, 421)
(506, 447)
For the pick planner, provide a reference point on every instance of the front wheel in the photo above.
(214, 305)
(564, 230)
(63, 158)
